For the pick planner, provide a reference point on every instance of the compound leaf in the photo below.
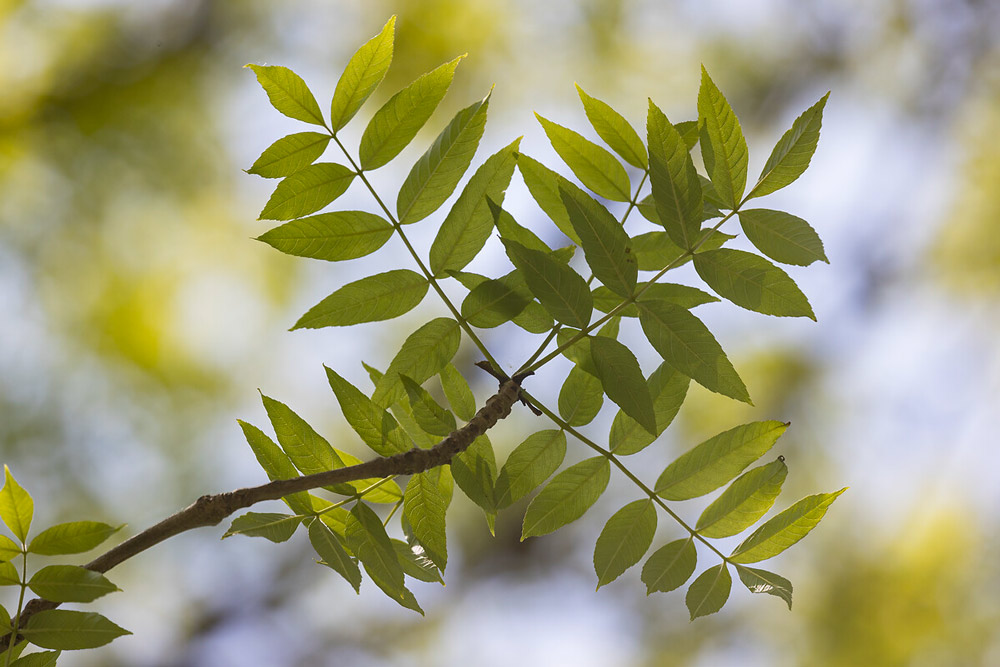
(364, 72)
(595, 167)
(752, 282)
(372, 299)
(331, 236)
(624, 541)
(567, 497)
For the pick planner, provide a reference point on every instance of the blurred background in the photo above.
(140, 318)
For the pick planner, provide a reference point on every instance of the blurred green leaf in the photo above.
(623, 381)
(709, 592)
(65, 630)
(379, 297)
(425, 503)
(595, 167)
(364, 72)
(376, 427)
(331, 236)
(560, 289)
(667, 388)
(423, 354)
(784, 529)
(674, 181)
(670, 566)
(580, 398)
(276, 465)
(762, 581)
(8, 574)
(746, 500)
(40, 659)
(723, 148)
(332, 554)
(70, 583)
(456, 390)
(67, 538)
(793, 151)
(782, 236)
(614, 130)
(567, 497)
(9, 549)
(605, 243)
(269, 525)
(290, 154)
(752, 282)
(307, 191)
(16, 506)
(288, 93)
(624, 541)
(530, 464)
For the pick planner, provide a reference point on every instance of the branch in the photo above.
(209, 510)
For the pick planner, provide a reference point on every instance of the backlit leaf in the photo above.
(580, 398)
(330, 236)
(423, 354)
(376, 427)
(784, 529)
(290, 154)
(456, 390)
(614, 130)
(676, 188)
(70, 583)
(493, 302)
(723, 148)
(670, 566)
(605, 243)
(307, 191)
(307, 449)
(364, 72)
(288, 93)
(687, 297)
(595, 167)
(62, 629)
(39, 659)
(509, 228)
(332, 554)
(9, 575)
(667, 388)
(544, 185)
(429, 415)
(624, 541)
(276, 465)
(16, 506)
(567, 497)
(746, 500)
(793, 151)
(475, 472)
(69, 538)
(379, 297)
(762, 581)
(367, 538)
(709, 592)
(560, 289)
(387, 492)
(425, 503)
(752, 282)
(416, 565)
(623, 380)
(269, 525)
(654, 250)
(9, 549)
(530, 464)
(782, 236)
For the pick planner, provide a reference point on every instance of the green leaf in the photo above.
(456, 390)
(9, 549)
(580, 398)
(709, 592)
(423, 354)
(614, 130)
(684, 296)
(604, 241)
(269, 525)
(762, 581)
(307, 449)
(290, 154)
(782, 236)
(667, 388)
(654, 250)
(544, 185)
(793, 151)
(367, 538)
(425, 503)
(624, 541)
(335, 519)
(398, 121)
(566, 497)
(493, 302)
(332, 554)
(686, 344)
(723, 148)
(746, 500)
(16, 506)
(670, 566)
(66, 630)
(714, 462)
(509, 228)
(388, 492)
(307, 191)
(429, 415)
(288, 93)
(623, 380)
(752, 282)
(784, 529)
(276, 465)
(375, 426)
(379, 297)
(595, 167)
(529, 465)
(416, 565)
(560, 289)
(674, 181)
(475, 472)
(70, 583)
(40, 659)
(68, 538)
(9, 575)
(434, 177)
(469, 223)
(688, 129)
(363, 74)
(333, 237)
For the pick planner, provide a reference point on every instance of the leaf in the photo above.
(566, 497)
(269, 525)
(746, 500)
(614, 130)
(376, 427)
(623, 380)
(580, 398)
(307, 191)
(784, 529)
(723, 147)
(670, 566)
(561, 290)
(416, 565)
(686, 344)
(469, 223)
(70, 583)
(711, 464)
(674, 181)
(430, 416)
(752, 282)
(793, 151)
(40, 659)
(530, 464)
(290, 154)
(508, 228)
(493, 302)
(366, 537)
(9, 549)
(682, 295)
(288, 93)
(688, 129)
(456, 390)
(423, 354)
(667, 388)
(307, 449)
(782, 236)
(654, 250)
(276, 465)
(372, 299)
(388, 492)
(9, 575)
(332, 554)
(425, 503)
(595, 167)
(709, 592)
(544, 185)
(16, 506)
(364, 72)
(398, 121)
(762, 581)
(434, 177)
(333, 237)
(475, 472)
(69, 538)
(624, 541)
(66, 630)
(605, 243)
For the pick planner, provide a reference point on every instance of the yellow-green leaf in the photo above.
(560, 289)
(567, 497)
(62, 629)
(372, 299)
(674, 181)
(16, 506)
(605, 243)
(276, 465)
(269, 525)
(333, 555)
(784, 529)
(376, 427)
(782, 236)
(307, 191)
(616, 132)
(70, 583)
(69, 538)
(425, 503)
(624, 540)
(290, 154)
(752, 282)
(288, 93)
(709, 592)
(793, 152)
(580, 398)
(746, 500)
(364, 72)
(670, 566)
(762, 581)
(423, 354)
(529, 465)
(623, 381)
(667, 388)
(333, 237)
(430, 416)
(723, 148)
(595, 167)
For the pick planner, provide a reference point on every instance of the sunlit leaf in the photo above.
(782, 236)
(580, 398)
(723, 148)
(762, 581)
(376, 427)
(493, 302)
(379, 297)
(469, 223)
(269, 525)
(307, 191)
(654, 250)
(61, 629)
(667, 388)
(752, 282)
(560, 289)
(670, 566)
(16, 506)
(605, 243)
(331, 236)
(595, 167)
(363, 74)
(332, 554)
(567, 497)
(9, 575)
(530, 464)
(9, 549)
(793, 151)
(418, 566)
(70, 583)
(423, 354)
(714, 462)
(307, 449)
(624, 541)
(68, 538)
(544, 185)
(276, 465)
(709, 592)
(746, 500)
(288, 93)
(475, 472)
(687, 297)
(509, 228)
(686, 344)
(367, 538)
(688, 129)
(623, 381)
(425, 502)
(387, 492)
(290, 154)
(434, 177)
(676, 188)
(429, 415)
(784, 529)
(398, 121)
(614, 130)
(456, 390)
